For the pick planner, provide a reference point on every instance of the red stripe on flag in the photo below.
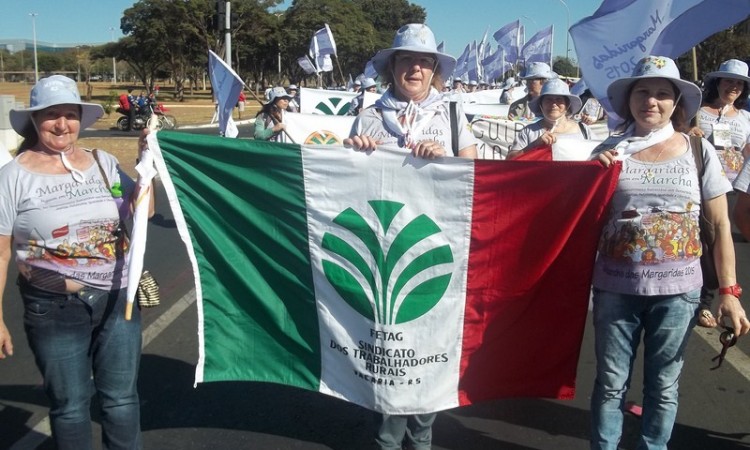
(535, 230)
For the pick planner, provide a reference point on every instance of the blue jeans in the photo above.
(82, 345)
(393, 429)
(665, 321)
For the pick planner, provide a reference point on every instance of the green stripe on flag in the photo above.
(244, 204)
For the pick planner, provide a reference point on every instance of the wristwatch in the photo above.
(735, 290)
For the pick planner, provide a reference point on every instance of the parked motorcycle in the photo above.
(142, 117)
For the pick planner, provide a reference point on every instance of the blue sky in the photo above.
(455, 22)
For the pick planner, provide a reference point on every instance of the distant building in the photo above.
(19, 45)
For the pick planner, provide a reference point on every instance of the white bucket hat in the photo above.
(538, 70)
(278, 92)
(654, 67)
(556, 87)
(418, 38)
(292, 87)
(509, 83)
(51, 91)
(733, 68)
(368, 83)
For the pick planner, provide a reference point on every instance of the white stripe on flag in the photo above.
(350, 342)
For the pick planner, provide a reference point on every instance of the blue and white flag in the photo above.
(508, 37)
(610, 42)
(494, 65)
(322, 43)
(461, 63)
(472, 63)
(227, 86)
(539, 47)
(307, 65)
(370, 71)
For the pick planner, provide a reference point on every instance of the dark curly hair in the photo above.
(711, 93)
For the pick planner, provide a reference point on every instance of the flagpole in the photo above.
(343, 80)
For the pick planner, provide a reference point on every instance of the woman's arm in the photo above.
(6, 343)
(716, 212)
(263, 133)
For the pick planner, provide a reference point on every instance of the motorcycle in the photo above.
(142, 117)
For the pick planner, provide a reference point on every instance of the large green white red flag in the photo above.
(400, 284)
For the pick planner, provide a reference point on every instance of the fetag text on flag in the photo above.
(399, 284)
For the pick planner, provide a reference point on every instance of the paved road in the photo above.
(714, 410)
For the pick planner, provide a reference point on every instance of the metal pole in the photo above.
(114, 62)
(567, 31)
(228, 34)
(33, 31)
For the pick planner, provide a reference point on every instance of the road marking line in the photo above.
(735, 357)
(164, 320)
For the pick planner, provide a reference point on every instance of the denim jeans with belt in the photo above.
(83, 345)
(666, 322)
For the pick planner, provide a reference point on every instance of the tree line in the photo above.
(170, 39)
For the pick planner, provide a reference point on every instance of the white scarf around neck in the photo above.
(408, 119)
(629, 145)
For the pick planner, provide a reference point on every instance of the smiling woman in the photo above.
(412, 113)
(647, 276)
(64, 226)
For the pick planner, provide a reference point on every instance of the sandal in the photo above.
(706, 319)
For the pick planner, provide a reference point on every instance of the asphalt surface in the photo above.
(714, 404)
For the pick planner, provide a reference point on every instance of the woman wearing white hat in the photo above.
(723, 121)
(61, 209)
(413, 113)
(555, 105)
(536, 74)
(355, 106)
(269, 122)
(647, 276)
(722, 118)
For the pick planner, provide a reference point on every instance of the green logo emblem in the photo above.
(385, 251)
(333, 106)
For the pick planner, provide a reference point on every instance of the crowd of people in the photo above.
(72, 282)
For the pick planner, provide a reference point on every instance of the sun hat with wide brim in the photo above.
(368, 83)
(278, 92)
(538, 70)
(732, 68)
(418, 38)
(654, 67)
(509, 83)
(559, 88)
(52, 91)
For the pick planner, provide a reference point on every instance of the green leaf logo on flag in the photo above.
(333, 106)
(384, 285)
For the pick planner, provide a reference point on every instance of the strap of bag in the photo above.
(584, 130)
(696, 144)
(95, 153)
(454, 128)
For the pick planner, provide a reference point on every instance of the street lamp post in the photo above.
(567, 31)
(114, 62)
(78, 63)
(278, 54)
(33, 31)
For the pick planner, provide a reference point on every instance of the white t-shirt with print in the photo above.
(651, 242)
